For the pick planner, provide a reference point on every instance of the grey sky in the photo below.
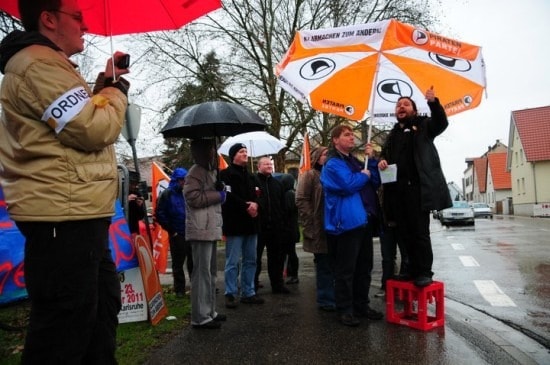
(514, 37)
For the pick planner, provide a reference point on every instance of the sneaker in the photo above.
(327, 308)
(253, 299)
(403, 277)
(423, 281)
(369, 313)
(349, 319)
(220, 318)
(212, 325)
(380, 294)
(293, 280)
(230, 302)
(280, 290)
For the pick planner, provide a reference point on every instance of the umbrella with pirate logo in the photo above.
(361, 70)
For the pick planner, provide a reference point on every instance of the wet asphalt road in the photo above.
(289, 329)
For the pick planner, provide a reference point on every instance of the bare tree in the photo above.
(8, 23)
(250, 37)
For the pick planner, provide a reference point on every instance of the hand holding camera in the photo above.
(117, 65)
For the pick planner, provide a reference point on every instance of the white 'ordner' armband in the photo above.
(64, 108)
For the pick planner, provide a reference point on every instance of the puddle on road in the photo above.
(502, 247)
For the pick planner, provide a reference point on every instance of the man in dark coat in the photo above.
(420, 185)
(271, 202)
(240, 227)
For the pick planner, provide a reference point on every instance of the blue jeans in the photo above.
(325, 280)
(235, 248)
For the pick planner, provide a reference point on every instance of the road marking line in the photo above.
(457, 246)
(492, 293)
(468, 261)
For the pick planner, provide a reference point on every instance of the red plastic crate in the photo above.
(422, 308)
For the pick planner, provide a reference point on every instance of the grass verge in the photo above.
(136, 341)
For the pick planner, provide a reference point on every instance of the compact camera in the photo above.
(123, 61)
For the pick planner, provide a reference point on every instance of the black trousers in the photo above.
(290, 254)
(275, 258)
(351, 254)
(388, 248)
(74, 291)
(413, 227)
(180, 250)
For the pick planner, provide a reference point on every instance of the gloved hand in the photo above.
(121, 83)
(219, 185)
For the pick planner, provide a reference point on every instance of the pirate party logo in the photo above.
(454, 64)
(392, 89)
(317, 68)
(420, 37)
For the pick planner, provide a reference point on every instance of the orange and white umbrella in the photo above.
(361, 70)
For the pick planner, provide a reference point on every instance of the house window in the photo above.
(516, 158)
(523, 185)
(521, 156)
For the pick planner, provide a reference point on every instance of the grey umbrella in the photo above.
(212, 119)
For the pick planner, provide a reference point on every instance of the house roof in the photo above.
(480, 168)
(533, 126)
(502, 179)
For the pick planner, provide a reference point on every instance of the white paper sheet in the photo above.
(389, 174)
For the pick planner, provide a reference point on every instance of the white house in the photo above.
(528, 160)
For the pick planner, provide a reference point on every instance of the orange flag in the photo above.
(159, 182)
(305, 159)
(161, 242)
(222, 164)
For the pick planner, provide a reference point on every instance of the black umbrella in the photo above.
(212, 119)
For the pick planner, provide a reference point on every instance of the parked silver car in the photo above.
(460, 213)
(482, 210)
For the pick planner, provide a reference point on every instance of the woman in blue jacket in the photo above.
(346, 184)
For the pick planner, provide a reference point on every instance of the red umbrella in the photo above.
(116, 17)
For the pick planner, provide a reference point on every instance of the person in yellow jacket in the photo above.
(59, 175)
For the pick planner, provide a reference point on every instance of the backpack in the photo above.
(163, 202)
